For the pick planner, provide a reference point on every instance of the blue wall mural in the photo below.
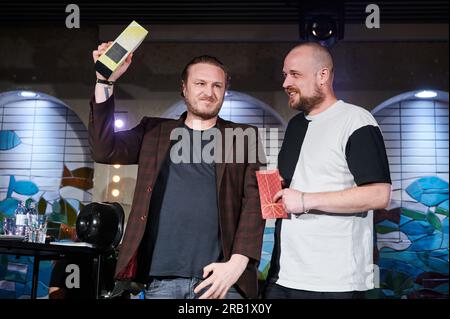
(411, 244)
(44, 158)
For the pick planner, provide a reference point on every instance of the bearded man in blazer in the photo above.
(195, 228)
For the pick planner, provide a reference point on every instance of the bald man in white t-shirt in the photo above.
(334, 164)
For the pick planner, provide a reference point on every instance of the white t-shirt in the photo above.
(333, 252)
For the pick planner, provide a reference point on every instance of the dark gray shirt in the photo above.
(184, 217)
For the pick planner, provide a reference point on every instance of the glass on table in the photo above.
(42, 229)
(38, 230)
(9, 226)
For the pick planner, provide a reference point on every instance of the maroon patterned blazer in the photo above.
(147, 145)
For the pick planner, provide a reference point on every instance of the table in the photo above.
(51, 252)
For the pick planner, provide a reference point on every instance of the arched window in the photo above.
(45, 143)
(44, 157)
(412, 236)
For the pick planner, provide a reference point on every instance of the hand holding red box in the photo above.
(269, 183)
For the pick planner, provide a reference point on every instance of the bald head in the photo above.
(308, 77)
(318, 55)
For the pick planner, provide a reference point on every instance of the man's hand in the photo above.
(224, 275)
(291, 200)
(120, 70)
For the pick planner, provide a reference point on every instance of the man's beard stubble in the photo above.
(307, 104)
(209, 114)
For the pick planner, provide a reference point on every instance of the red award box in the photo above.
(269, 183)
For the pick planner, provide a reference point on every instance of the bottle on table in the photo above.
(33, 225)
(20, 215)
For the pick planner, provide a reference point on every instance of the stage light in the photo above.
(425, 94)
(120, 120)
(118, 123)
(115, 192)
(116, 178)
(322, 21)
(322, 28)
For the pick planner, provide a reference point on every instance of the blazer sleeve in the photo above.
(108, 147)
(250, 230)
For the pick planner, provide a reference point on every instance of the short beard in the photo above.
(307, 104)
(203, 115)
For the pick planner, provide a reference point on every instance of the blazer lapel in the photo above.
(164, 139)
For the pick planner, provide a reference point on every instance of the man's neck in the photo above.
(197, 123)
(325, 105)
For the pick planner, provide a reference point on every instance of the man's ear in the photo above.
(183, 89)
(324, 75)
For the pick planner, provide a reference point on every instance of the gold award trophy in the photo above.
(125, 43)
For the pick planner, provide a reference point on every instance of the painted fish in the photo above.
(9, 140)
(8, 206)
(430, 190)
(21, 187)
(394, 240)
(81, 178)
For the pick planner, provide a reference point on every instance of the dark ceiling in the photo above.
(216, 12)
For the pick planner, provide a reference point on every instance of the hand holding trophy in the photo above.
(112, 59)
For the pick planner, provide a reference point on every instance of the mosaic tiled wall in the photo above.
(45, 158)
(411, 247)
